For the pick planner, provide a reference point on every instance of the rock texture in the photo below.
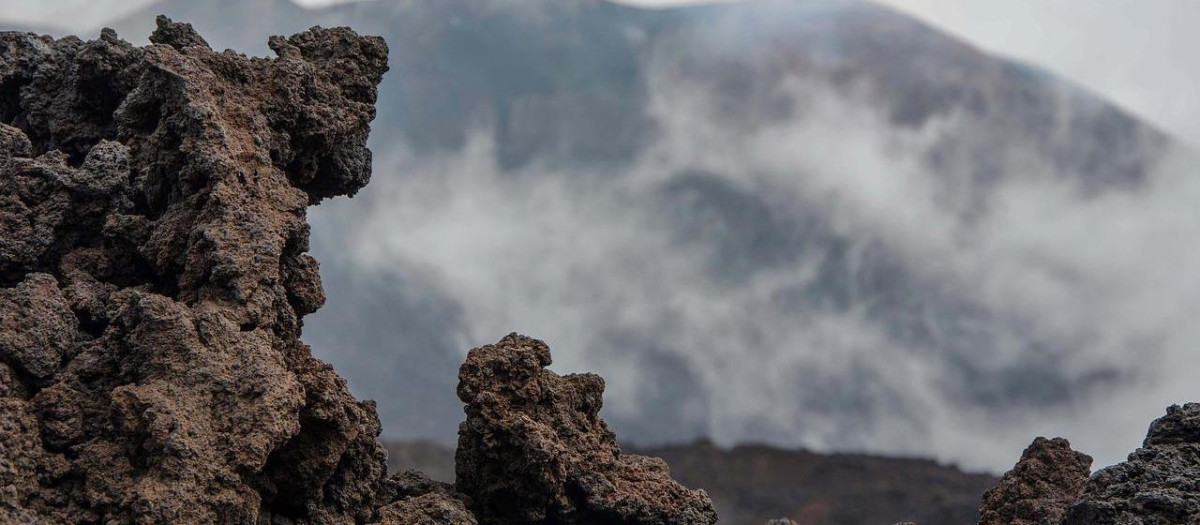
(595, 94)
(1038, 490)
(533, 448)
(421, 501)
(153, 281)
(1158, 484)
(153, 277)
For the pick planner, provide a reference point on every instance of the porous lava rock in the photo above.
(153, 277)
(422, 501)
(534, 449)
(1158, 484)
(153, 282)
(1038, 490)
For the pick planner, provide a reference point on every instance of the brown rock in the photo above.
(422, 501)
(153, 277)
(534, 450)
(176, 34)
(1038, 490)
(37, 327)
(14, 143)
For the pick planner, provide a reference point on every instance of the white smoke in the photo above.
(592, 261)
(595, 264)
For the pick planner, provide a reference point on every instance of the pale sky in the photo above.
(1140, 54)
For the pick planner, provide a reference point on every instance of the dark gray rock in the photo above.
(1158, 484)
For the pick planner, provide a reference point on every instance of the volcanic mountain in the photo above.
(802, 223)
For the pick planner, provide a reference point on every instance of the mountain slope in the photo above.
(803, 223)
(751, 485)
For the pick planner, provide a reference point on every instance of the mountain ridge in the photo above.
(592, 96)
(804, 125)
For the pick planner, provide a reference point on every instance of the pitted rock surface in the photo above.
(534, 450)
(422, 501)
(153, 282)
(153, 277)
(1158, 484)
(1038, 490)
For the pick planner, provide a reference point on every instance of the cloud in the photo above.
(810, 281)
(782, 267)
(1127, 51)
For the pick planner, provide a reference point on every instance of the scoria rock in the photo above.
(153, 277)
(1038, 490)
(534, 450)
(153, 281)
(1159, 484)
(422, 501)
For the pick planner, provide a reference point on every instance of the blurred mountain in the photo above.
(568, 79)
(751, 485)
(778, 218)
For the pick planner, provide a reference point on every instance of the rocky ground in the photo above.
(752, 484)
(153, 284)
(1158, 484)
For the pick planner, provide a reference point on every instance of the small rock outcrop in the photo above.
(1159, 483)
(153, 282)
(1038, 490)
(534, 449)
(422, 501)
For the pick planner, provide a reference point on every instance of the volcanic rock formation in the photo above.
(753, 484)
(152, 258)
(153, 279)
(1158, 484)
(533, 448)
(1039, 488)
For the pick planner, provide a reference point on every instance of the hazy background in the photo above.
(812, 224)
(1132, 52)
